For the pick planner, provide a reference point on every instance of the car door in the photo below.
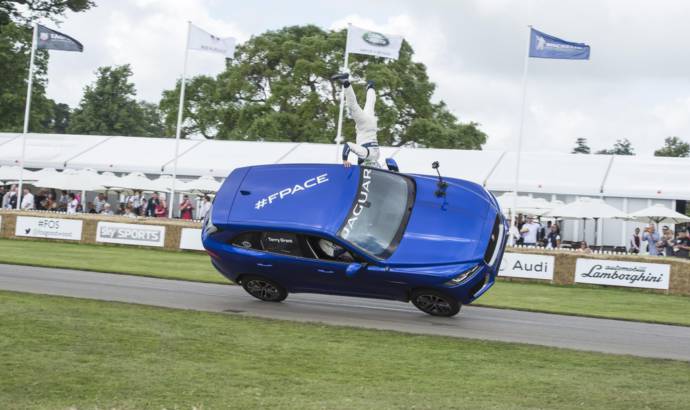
(271, 254)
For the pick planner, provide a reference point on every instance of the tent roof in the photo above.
(543, 172)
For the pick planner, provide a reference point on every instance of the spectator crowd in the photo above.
(135, 205)
(529, 231)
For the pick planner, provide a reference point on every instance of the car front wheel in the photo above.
(264, 289)
(435, 303)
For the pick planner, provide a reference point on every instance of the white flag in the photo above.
(201, 40)
(361, 41)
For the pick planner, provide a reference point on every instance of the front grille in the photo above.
(494, 240)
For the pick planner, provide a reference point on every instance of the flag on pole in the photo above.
(50, 39)
(542, 45)
(201, 40)
(362, 41)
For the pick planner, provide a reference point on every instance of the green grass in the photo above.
(115, 259)
(59, 353)
(574, 300)
(628, 304)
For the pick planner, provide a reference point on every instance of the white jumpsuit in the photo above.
(366, 124)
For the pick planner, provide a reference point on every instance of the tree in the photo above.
(109, 107)
(278, 88)
(152, 120)
(30, 10)
(15, 48)
(673, 147)
(581, 146)
(621, 147)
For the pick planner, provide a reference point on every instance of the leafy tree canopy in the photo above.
(109, 107)
(581, 146)
(673, 147)
(278, 88)
(621, 147)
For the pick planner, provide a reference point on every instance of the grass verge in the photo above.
(573, 300)
(70, 353)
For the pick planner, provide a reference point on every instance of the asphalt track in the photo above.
(599, 335)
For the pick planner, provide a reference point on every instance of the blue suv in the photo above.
(356, 231)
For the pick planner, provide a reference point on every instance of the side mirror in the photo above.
(353, 269)
(392, 165)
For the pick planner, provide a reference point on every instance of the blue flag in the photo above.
(542, 45)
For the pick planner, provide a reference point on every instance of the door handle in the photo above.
(264, 265)
(325, 271)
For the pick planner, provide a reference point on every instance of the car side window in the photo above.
(328, 250)
(286, 243)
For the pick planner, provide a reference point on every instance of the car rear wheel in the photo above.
(264, 289)
(435, 303)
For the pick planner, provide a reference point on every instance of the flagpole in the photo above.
(518, 153)
(179, 121)
(339, 137)
(27, 110)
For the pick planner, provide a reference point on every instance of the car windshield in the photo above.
(380, 211)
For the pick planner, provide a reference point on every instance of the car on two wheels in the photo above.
(357, 231)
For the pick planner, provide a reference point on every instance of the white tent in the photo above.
(525, 204)
(203, 185)
(10, 174)
(660, 214)
(110, 180)
(71, 180)
(588, 208)
(137, 181)
(164, 184)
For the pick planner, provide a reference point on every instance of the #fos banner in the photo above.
(522, 265)
(620, 273)
(130, 234)
(190, 238)
(50, 228)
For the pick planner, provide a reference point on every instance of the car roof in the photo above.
(304, 197)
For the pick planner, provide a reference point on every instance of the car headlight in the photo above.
(209, 227)
(463, 276)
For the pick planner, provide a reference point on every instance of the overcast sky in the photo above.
(636, 85)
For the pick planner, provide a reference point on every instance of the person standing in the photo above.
(366, 145)
(72, 204)
(28, 202)
(529, 232)
(635, 242)
(652, 237)
(186, 208)
(161, 210)
(553, 238)
(205, 207)
(152, 204)
(682, 245)
(99, 203)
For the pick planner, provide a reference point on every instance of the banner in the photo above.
(361, 41)
(620, 273)
(130, 234)
(542, 45)
(201, 40)
(53, 40)
(50, 228)
(190, 238)
(523, 265)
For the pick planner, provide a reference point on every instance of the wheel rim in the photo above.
(262, 289)
(433, 304)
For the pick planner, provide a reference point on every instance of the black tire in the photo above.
(264, 289)
(435, 303)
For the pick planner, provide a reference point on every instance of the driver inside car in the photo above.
(335, 252)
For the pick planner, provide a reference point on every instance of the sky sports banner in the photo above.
(200, 39)
(190, 238)
(521, 265)
(542, 45)
(48, 228)
(361, 41)
(130, 234)
(53, 40)
(620, 273)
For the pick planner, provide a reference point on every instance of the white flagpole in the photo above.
(339, 136)
(27, 110)
(518, 153)
(171, 201)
